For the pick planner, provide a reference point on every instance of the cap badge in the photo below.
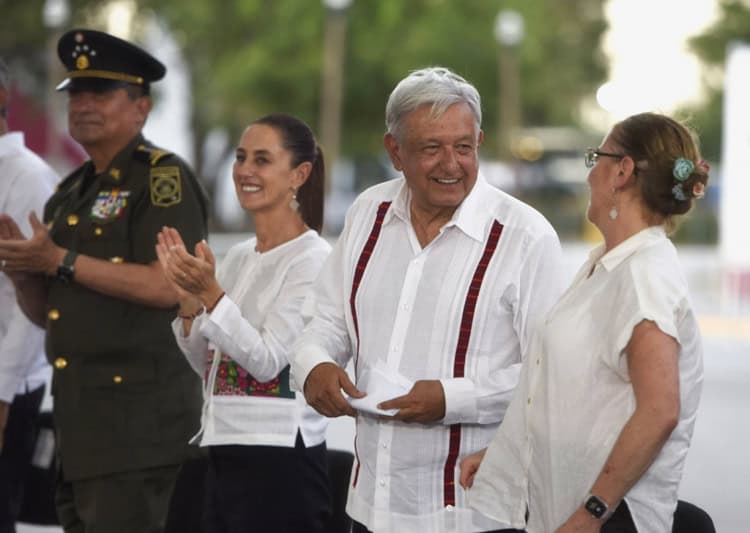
(82, 62)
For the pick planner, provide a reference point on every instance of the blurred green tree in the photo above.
(250, 57)
(254, 56)
(732, 24)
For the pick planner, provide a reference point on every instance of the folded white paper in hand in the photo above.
(381, 384)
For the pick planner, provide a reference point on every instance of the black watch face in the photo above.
(596, 507)
(64, 274)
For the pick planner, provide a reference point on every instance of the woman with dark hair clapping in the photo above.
(267, 453)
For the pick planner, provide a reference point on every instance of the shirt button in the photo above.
(53, 314)
(382, 483)
(449, 508)
(61, 363)
(385, 446)
(529, 400)
(117, 379)
(98, 231)
(72, 220)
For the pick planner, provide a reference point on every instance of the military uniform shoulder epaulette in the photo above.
(165, 181)
(151, 154)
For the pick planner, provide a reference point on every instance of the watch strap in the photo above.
(66, 270)
(69, 259)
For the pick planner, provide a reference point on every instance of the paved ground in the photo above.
(718, 465)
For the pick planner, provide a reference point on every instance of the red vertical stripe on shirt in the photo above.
(359, 271)
(459, 362)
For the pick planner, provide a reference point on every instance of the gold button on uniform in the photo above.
(116, 259)
(72, 220)
(117, 379)
(53, 314)
(61, 363)
(98, 231)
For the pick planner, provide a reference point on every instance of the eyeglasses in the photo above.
(591, 155)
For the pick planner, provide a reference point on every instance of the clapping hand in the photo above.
(20, 256)
(193, 275)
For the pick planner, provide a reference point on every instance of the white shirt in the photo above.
(409, 308)
(575, 393)
(26, 182)
(254, 326)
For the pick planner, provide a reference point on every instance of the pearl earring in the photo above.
(613, 212)
(293, 203)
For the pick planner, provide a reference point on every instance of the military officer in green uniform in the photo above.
(125, 401)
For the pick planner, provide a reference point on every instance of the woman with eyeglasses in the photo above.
(597, 432)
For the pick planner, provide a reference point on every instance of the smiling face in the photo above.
(438, 156)
(107, 118)
(264, 178)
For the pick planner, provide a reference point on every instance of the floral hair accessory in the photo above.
(682, 169)
(704, 166)
(699, 190)
(678, 193)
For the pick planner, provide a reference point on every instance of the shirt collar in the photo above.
(119, 165)
(628, 247)
(468, 217)
(10, 142)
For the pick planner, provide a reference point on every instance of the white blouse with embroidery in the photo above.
(575, 393)
(247, 399)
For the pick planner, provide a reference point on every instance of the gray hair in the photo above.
(437, 86)
(4, 75)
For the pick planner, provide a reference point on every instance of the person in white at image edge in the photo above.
(26, 182)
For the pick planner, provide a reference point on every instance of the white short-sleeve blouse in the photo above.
(575, 394)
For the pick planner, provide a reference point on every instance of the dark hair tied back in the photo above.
(298, 138)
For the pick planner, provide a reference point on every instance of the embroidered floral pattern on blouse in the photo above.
(233, 380)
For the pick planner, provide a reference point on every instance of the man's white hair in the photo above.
(437, 86)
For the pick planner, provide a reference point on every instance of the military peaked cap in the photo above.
(95, 58)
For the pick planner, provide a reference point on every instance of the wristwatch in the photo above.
(597, 507)
(66, 270)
